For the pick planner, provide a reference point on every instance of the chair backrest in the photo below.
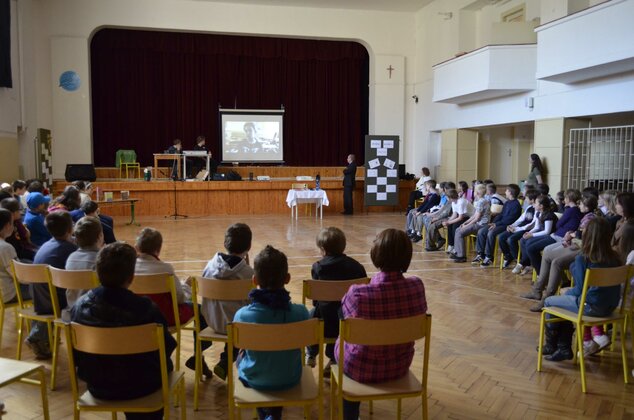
(33, 274)
(275, 337)
(299, 186)
(328, 290)
(604, 277)
(74, 279)
(373, 332)
(380, 332)
(496, 208)
(115, 341)
(217, 289)
(156, 284)
(149, 284)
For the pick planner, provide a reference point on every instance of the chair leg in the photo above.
(371, 404)
(579, 350)
(626, 370)
(398, 409)
(183, 400)
(114, 415)
(197, 371)
(1, 325)
(332, 398)
(613, 336)
(20, 330)
(42, 376)
(541, 341)
(55, 355)
(425, 408)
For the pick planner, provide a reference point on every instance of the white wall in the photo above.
(438, 40)
(383, 33)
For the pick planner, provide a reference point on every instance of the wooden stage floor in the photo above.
(483, 356)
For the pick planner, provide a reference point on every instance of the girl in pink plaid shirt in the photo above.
(389, 295)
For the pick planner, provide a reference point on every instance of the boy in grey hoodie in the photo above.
(233, 265)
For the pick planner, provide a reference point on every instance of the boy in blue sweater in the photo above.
(271, 304)
(487, 235)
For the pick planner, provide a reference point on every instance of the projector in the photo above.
(263, 178)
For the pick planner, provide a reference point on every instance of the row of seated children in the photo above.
(596, 252)
(557, 257)
(270, 303)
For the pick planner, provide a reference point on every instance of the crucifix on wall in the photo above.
(390, 69)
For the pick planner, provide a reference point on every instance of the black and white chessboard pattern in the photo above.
(45, 158)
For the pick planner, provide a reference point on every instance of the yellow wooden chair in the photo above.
(328, 291)
(378, 333)
(277, 337)
(216, 289)
(120, 341)
(594, 277)
(9, 306)
(128, 161)
(154, 284)
(36, 274)
(18, 371)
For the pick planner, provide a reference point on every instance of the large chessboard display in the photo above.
(381, 170)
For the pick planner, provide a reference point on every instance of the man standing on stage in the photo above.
(198, 163)
(349, 175)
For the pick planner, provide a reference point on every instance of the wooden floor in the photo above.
(483, 356)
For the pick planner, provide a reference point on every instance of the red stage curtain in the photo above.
(149, 88)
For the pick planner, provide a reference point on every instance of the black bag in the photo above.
(233, 176)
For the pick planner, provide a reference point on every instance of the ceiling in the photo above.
(383, 5)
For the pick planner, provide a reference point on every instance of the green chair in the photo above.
(126, 159)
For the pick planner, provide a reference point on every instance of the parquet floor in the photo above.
(483, 354)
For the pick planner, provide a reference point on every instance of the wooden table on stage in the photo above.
(131, 201)
(168, 156)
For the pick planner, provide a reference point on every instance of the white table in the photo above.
(319, 197)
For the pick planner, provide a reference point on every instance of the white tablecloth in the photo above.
(306, 196)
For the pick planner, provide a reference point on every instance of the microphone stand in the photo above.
(174, 177)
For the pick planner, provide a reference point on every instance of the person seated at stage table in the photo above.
(175, 149)
(199, 163)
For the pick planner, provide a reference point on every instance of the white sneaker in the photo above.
(590, 348)
(449, 249)
(517, 269)
(602, 341)
(526, 270)
(311, 361)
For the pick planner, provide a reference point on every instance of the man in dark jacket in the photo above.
(349, 175)
(113, 305)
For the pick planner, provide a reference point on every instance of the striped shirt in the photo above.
(387, 296)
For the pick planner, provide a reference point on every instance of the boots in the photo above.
(551, 336)
(564, 343)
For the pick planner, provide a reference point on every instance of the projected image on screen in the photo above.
(252, 138)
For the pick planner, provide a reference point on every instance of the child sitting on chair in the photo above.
(113, 305)
(271, 304)
(232, 265)
(389, 295)
(335, 265)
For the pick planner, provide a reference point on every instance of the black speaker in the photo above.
(401, 171)
(80, 172)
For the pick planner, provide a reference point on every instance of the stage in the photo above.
(204, 198)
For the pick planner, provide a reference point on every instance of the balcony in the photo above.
(590, 44)
(490, 72)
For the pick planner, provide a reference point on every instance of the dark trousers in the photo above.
(413, 196)
(329, 312)
(509, 244)
(351, 409)
(534, 250)
(154, 415)
(451, 231)
(347, 199)
(486, 240)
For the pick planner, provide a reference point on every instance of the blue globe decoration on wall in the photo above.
(69, 80)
